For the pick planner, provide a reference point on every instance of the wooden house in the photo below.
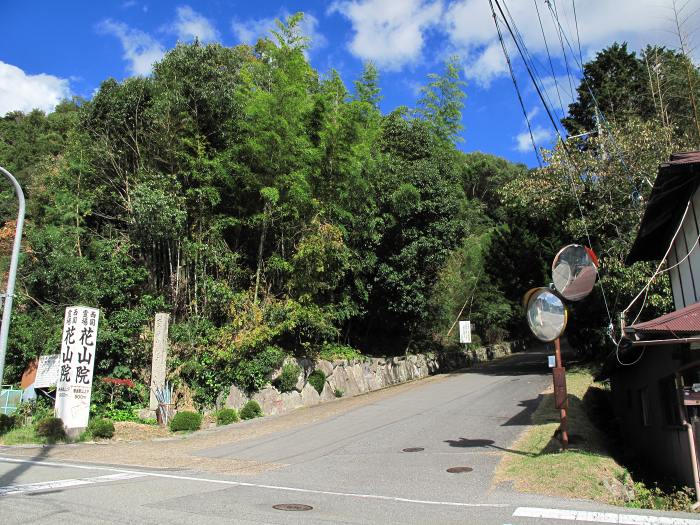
(655, 374)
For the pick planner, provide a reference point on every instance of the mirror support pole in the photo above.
(564, 424)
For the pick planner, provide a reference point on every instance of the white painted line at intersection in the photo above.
(65, 483)
(601, 517)
(255, 485)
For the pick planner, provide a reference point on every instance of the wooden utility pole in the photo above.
(560, 398)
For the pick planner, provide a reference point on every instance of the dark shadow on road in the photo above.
(20, 468)
(524, 417)
(484, 443)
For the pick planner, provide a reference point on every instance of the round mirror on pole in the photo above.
(546, 315)
(574, 271)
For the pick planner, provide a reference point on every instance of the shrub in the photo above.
(253, 373)
(287, 380)
(338, 392)
(7, 423)
(101, 428)
(251, 410)
(186, 420)
(331, 351)
(317, 379)
(52, 429)
(226, 416)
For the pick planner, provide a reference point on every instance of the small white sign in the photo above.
(47, 371)
(76, 365)
(465, 331)
(552, 361)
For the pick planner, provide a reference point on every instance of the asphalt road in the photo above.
(348, 464)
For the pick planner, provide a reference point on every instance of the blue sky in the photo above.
(52, 50)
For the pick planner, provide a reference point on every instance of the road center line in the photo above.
(64, 483)
(601, 517)
(255, 485)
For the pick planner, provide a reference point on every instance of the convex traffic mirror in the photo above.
(574, 271)
(546, 314)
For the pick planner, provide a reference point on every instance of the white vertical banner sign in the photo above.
(465, 332)
(77, 363)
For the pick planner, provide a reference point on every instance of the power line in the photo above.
(563, 143)
(515, 84)
(549, 57)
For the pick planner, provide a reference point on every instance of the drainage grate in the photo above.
(292, 506)
(414, 449)
(458, 470)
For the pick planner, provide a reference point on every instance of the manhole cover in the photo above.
(458, 470)
(292, 506)
(414, 449)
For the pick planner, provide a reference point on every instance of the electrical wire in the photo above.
(578, 38)
(517, 89)
(563, 51)
(549, 57)
(564, 145)
(658, 268)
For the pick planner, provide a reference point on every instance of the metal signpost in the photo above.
(12, 274)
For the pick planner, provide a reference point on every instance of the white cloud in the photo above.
(140, 49)
(190, 25)
(391, 34)
(523, 143)
(250, 31)
(472, 33)
(22, 92)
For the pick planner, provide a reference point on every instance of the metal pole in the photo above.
(12, 274)
(564, 425)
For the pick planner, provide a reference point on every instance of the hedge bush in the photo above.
(186, 420)
(288, 378)
(251, 410)
(317, 379)
(51, 428)
(7, 423)
(101, 428)
(226, 416)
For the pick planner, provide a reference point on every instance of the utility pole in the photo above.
(12, 274)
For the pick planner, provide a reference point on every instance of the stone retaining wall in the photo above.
(356, 377)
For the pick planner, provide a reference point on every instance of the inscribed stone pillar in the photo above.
(160, 356)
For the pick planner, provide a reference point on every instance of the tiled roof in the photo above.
(684, 321)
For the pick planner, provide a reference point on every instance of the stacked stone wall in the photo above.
(355, 377)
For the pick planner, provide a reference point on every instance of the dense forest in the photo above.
(276, 211)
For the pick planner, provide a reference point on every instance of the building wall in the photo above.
(685, 278)
(659, 445)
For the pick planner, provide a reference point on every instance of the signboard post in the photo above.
(77, 363)
(465, 332)
(47, 371)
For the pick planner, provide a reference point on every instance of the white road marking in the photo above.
(64, 483)
(601, 517)
(255, 485)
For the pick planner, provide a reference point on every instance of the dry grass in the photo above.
(537, 463)
(130, 431)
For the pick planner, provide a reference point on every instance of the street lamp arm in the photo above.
(12, 274)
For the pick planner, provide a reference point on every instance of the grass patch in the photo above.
(21, 436)
(535, 462)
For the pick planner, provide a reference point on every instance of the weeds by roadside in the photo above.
(536, 463)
